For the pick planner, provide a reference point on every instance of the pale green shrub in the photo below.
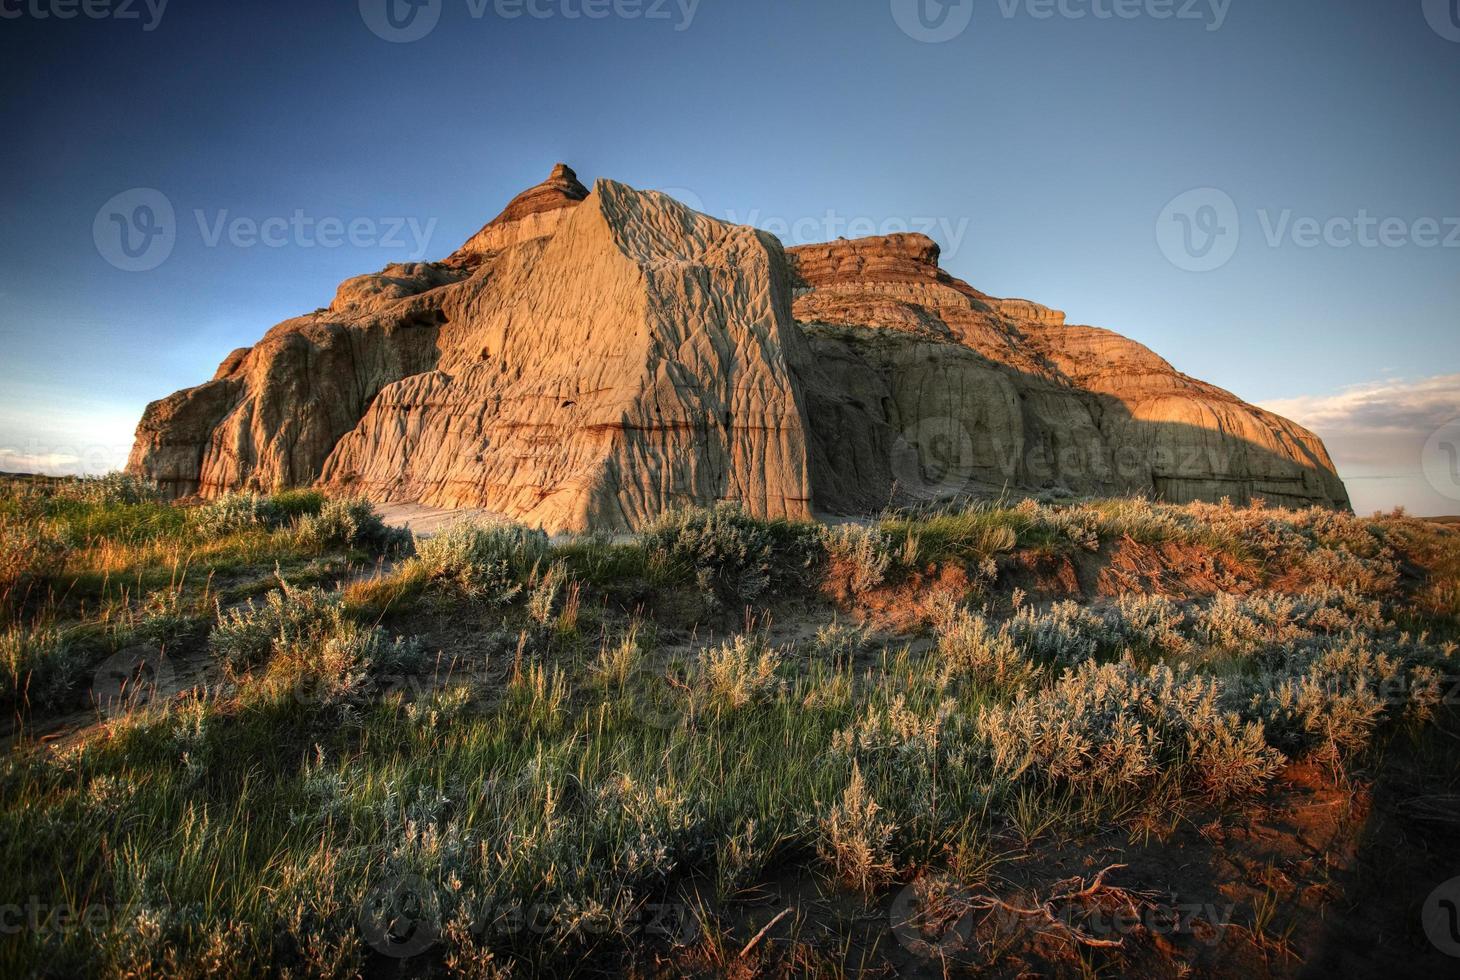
(246, 636)
(309, 642)
(1067, 633)
(113, 488)
(733, 554)
(341, 664)
(837, 640)
(542, 602)
(1428, 688)
(895, 725)
(856, 838)
(969, 644)
(1079, 526)
(1246, 624)
(1329, 698)
(1273, 621)
(740, 671)
(39, 667)
(1111, 726)
(1142, 521)
(1333, 610)
(616, 662)
(1151, 621)
(350, 523)
(28, 550)
(247, 510)
(866, 551)
(1340, 569)
(489, 562)
(234, 512)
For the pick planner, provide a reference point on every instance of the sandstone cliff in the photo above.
(590, 359)
(639, 360)
(964, 392)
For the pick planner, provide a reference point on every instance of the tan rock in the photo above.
(1096, 413)
(639, 360)
(534, 213)
(589, 360)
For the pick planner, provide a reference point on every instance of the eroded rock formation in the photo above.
(967, 392)
(588, 360)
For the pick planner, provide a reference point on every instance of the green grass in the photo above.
(594, 774)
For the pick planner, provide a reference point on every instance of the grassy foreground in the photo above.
(269, 734)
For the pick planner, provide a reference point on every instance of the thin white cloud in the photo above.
(93, 460)
(1398, 406)
(1376, 433)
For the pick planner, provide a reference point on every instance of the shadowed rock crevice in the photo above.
(588, 360)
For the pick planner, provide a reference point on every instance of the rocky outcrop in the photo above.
(272, 415)
(534, 213)
(640, 360)
(588, 360)
(984, 395)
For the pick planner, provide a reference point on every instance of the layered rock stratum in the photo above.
(590, 359)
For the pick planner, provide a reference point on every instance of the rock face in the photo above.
(639, 359)
(532, 214)
(964, 392)
(588, 360)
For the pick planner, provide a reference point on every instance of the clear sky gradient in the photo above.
(1040, 150)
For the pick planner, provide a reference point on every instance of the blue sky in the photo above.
(1041, 144)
